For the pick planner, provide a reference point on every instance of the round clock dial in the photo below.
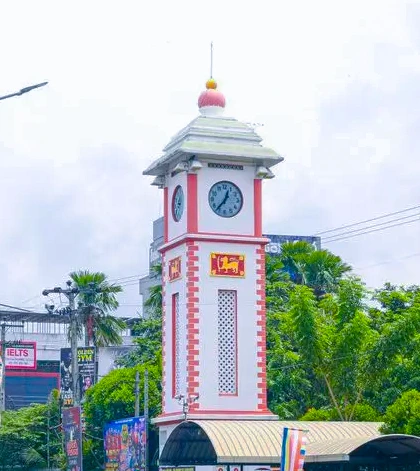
(178, 203)
(225, 199)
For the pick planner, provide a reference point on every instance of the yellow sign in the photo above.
(175, 269)
(227, 264)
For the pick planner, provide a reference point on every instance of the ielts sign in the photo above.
(21, 355)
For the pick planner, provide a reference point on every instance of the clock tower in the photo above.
(213, 269)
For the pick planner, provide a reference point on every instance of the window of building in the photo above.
(227, 341)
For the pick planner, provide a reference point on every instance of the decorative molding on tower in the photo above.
(193, 324)
(261, 331)
(164, 346)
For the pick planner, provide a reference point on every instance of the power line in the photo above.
(113, 280)
(369, 232)
(385, 262)
(127, 285)
(367, 220)
(15, 307)
(327, 239)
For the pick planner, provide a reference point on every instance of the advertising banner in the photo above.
(87, 368)
(66, 377)
(20, 355)
(125, 445)
(73, 438)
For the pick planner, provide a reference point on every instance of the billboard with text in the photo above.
(20, 355)
(87, 372)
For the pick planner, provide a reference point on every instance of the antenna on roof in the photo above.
(211, 59)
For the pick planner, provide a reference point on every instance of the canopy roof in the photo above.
(208, 442)
(216, 138)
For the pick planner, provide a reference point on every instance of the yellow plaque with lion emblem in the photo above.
(227, 264)
(175, 269)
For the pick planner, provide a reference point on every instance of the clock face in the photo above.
(178, 203)
(225, 199)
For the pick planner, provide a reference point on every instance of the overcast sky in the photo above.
(336, 85)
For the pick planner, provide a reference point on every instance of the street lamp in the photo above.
(24, 90)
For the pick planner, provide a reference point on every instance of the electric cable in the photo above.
(417, 215)
(15, 307)
(370, 232)
(368, 220)
(385, 262)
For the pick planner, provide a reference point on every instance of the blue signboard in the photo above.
(24, 388)
(276, 241)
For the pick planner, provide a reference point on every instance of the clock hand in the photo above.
(224, 200)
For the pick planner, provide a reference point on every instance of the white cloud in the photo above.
(334, 83)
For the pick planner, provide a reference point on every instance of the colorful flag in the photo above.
(293, 449)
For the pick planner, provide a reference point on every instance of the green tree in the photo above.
(360, 413)
(317, 346)
(323, 271)
(318, 269)
(113, 398)
(395, 362)
(293, 258)
(23, 436)
(154, 302)
(148, 340)
(403, 416)
(96, 301)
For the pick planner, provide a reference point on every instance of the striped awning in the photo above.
(259, 442)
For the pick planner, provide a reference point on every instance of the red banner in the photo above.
(227, 264)
(175, 269)
(73, 438)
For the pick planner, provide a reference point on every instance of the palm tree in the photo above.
(323, 271)
(96, 300)
(154, 301)
(293, 256)
(319, 269)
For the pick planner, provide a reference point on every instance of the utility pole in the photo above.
(146, 419)
(137, 395)
(3, 369)
(3, 345)
(71, 293)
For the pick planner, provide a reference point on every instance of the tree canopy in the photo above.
(335, 351)
(31, 434)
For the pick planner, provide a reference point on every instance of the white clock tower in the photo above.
(213, 260)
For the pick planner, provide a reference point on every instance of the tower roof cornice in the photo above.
(218, 138)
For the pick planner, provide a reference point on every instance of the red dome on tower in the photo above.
(211, 97)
